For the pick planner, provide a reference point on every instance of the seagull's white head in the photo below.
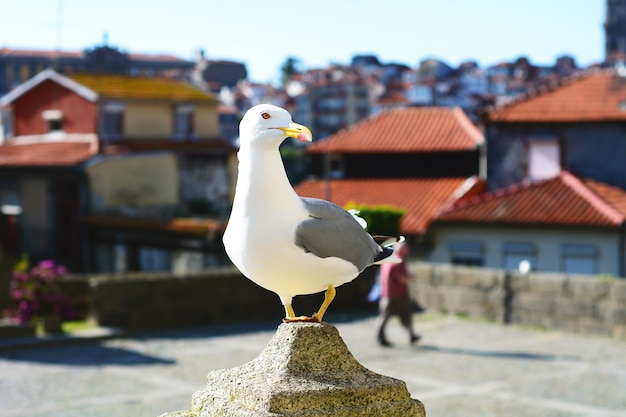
(268, 125)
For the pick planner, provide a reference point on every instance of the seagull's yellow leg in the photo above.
(289, 311)
(329, 295)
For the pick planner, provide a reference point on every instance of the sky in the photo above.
(264, 33)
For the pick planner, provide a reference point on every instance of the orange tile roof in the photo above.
(131, 87)
(613, 196)
(424, 129)
(421, 198)
(52, 154)
(596, 96)
(564, 201)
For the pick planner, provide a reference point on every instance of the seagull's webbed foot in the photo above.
(291, 315)
(329, 295)
(301, 319)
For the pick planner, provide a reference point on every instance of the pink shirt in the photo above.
(392, 284)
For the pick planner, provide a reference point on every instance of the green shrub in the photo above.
(381, 219)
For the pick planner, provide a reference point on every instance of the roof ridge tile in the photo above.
(591, 197)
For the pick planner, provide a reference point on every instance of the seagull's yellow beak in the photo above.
(297, 131)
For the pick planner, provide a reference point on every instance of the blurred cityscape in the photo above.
(112, 161)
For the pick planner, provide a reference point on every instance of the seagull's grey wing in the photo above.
(332, 231)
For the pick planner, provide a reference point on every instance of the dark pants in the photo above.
(401, 307)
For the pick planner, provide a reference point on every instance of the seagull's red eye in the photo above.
(265, 115)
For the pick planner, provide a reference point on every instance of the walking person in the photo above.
(394, 280)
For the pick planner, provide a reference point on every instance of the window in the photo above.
(544, 158)
(469, 253)
(24, 73)
(6, 125)
(10, 201)
(515, 254)
(112, 125)
(11, 80)
(55, 125)
(579, 259)
(113, 120)
(54, 119)
(154, 259)
(335, 166)
(183, 121)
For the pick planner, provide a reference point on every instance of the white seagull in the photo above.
(282, 242)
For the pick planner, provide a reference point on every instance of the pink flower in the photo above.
(47, 264)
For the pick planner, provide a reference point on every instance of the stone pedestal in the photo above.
(305, 370)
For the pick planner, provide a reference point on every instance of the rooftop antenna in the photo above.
(59, 24)
(55, 59)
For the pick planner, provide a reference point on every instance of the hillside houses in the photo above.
(330, 99)
(551, 191)
(385, 133)
(19, 65)
(555, 192)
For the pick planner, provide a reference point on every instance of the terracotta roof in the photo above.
(564, 201)
(613, 196)
(136, 87)
(421, 198)
(596, 96)
(51, 154)
(424, 129)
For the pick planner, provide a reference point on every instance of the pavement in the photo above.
(459, 368)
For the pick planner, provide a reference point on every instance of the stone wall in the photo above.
(575, 303)
(161, 300)
(140, 301)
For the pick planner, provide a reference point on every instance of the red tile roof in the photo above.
(135, 87)
(613, 196)
(421, 198)
(597, 96)
(424, 129)
(51, 154)
(564, 200)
